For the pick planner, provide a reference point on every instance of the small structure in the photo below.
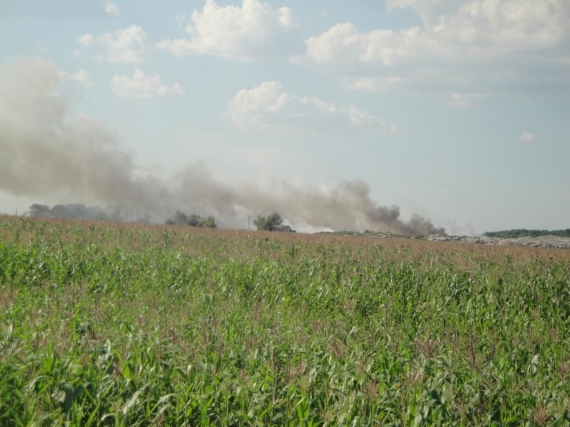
(284, 228)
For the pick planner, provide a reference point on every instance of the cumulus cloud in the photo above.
(527, 137)
(488, 28)
(112, 9)
(473, 41)
(480, 28)
(141, 85)
(344, 43)
(253, 30)
(83, 78)
(127, 45)
(86, 40)
(252, 107)
(269, 105)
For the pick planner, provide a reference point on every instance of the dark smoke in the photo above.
(48, 154)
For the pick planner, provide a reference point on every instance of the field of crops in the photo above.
(129, 325)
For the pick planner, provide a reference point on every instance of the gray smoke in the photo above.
(47, 153)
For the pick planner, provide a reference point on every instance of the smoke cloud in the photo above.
(49, 154)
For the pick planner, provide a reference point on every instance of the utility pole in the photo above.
(248, 222)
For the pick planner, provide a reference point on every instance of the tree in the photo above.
(192, 220)
(180, 218)
(210, 222)
(268, 223)
(195, 221)
(72, 211)
(39, 210)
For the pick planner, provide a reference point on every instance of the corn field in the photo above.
(131, 325)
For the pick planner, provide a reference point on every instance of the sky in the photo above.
(454, 112)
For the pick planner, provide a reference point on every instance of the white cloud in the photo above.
(354, 115)
(128, 45)
(253, 30)
(269, 105)
(480, 28)
(83, 78)
(252, 107)
(86, 40)
(493, 27)
(459, 100)
(427, 9)
(472, 42)
(141, 85)
(344, 43)
(374, 84)
(465, 99)
(414, 4)
(112, 9)
(527, 137)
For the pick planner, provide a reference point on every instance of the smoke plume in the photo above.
(49, 154)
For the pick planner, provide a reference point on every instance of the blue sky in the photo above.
(458, 111)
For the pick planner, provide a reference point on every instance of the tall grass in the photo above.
(137, 325)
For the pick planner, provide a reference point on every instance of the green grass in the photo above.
(125, 325)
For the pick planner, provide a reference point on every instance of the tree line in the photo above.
(192, 220)
(273, 222)
(522, 232)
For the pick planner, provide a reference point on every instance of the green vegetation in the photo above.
(268, 223)
(193, 220)
(512, 234)
(134, 325)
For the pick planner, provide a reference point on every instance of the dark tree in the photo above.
(39, 210)
(195, 221)
(210, 222)
(268, 223)
(180, 218)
